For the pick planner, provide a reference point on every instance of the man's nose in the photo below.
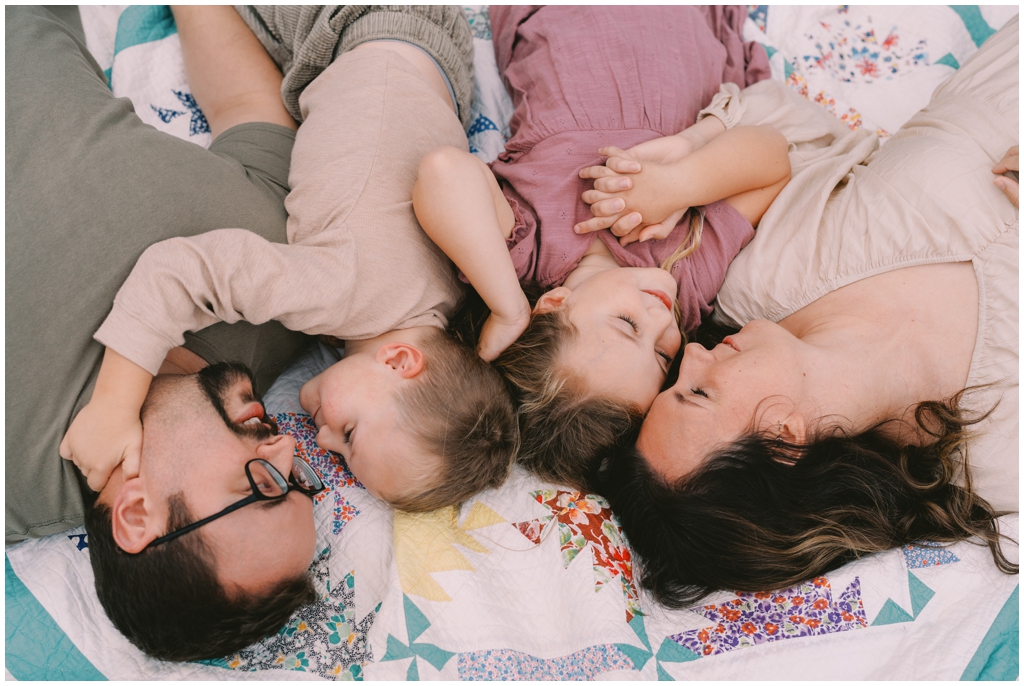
(278, 451)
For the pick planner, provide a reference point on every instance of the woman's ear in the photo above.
(406, 359)
(551, 300)
(793, 429)
(133, 520)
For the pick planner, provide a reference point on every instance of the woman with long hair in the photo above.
(870, 398)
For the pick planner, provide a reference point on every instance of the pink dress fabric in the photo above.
(585, 77)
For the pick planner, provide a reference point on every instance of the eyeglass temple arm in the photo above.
(206, 520)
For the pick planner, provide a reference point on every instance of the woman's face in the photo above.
(751, 381)
(627, 333)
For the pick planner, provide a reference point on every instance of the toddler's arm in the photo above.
(460, 206)
(108, 430)
(746, 166)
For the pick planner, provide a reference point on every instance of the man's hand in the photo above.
(100, 438)
(1010, 162)
(108, 430)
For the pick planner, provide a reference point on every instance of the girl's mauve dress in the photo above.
(585, 77)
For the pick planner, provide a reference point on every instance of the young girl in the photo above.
(598, 344)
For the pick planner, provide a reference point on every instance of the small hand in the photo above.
(100, 438)
(658, 231)
(499, 333)
(626, 206)
(1010, 162)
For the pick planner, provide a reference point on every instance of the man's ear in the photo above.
(551, 300)
(794, 429)
(406, 359)
(133, 519)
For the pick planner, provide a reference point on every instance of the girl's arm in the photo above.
(460, 206)
(746, 166)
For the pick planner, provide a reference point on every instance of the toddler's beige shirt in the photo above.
(357, 264)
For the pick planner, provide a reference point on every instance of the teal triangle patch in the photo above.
(637, 625)
(638, 656)
(670, 651)
(143, 24)
(37, 648)
(663, 675)
(948, 60)
(919, 594)
(789, 68)
(414, 673)
(769, 49)
(891, 614)
(974, 22)
(432, 654)
(396, 650)
(415, 621)
(998, 656)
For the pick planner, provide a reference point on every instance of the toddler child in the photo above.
(420, 419)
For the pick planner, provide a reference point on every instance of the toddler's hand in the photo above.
(101, 437)
(500, 332)
(1010, 162)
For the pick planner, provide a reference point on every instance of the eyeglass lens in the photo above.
(269, 482)
(305, 475)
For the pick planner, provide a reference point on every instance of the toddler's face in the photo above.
(354, 405)
(627, 332)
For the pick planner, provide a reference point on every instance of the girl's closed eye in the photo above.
(697, 390)
(348, 436)
(629, 320)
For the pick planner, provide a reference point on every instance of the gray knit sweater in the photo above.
(303, 40)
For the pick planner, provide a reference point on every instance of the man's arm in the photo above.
(460, 206)
(232, 77)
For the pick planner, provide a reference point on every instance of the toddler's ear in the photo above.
(551, 300)
(406, 359)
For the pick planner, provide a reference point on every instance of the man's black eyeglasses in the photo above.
(267, 484)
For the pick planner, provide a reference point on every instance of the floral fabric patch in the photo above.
(754, 618)
(586, 521)
(324, 638)
(855, 52)
(927, 555)
(330, 465)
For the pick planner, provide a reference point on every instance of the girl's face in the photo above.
(627, 333)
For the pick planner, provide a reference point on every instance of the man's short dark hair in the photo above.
(168, 601)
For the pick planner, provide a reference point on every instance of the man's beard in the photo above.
(217, 380)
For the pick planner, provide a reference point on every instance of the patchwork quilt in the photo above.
(533, 580)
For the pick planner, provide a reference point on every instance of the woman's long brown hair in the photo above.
(761, 515)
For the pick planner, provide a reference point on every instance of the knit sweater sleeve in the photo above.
(186, 284)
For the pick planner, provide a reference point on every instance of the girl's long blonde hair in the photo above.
(686, 248)
(690, 244)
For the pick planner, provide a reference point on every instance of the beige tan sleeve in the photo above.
(185, 284)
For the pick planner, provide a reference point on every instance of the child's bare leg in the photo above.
(232, 77)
